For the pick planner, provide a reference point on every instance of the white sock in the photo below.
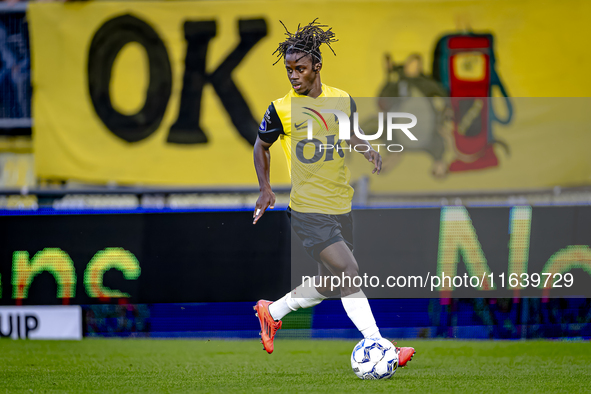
(303, 296)
(280, 308)
(359, 312)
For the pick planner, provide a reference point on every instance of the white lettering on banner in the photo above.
(345, 125)
(41, 322)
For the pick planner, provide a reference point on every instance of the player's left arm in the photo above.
(368, 152)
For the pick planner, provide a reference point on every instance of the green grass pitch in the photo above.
(144, 365)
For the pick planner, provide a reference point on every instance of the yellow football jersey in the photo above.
(319, 176)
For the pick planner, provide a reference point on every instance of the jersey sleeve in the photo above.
(271, 127)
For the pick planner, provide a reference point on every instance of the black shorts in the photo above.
(318, 231)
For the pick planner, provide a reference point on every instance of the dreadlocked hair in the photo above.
(306, 39)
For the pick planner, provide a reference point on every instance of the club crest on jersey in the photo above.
(317, 117)
(302, 125)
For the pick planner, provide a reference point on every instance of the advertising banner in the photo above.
(41, 322)
(461, 252)
(142, 258)
(453, 251)
(174, 92)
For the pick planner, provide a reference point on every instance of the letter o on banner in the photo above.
(106, 44)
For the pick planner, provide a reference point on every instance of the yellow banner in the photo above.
(172, 92)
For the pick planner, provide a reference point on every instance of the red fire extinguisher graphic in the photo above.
(465, 65)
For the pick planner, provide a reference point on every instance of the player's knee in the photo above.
(349, 280)
(352, 271)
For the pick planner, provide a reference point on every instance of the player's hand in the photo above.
(374, 157)
(266, 200)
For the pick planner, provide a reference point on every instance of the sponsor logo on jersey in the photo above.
(299, 126)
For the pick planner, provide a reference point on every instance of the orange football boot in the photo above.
(405, 354)
(268, 326)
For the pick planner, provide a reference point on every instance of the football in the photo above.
(374, 359)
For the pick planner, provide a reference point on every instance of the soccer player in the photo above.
(320, 205)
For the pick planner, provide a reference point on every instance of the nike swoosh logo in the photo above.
(297, 126)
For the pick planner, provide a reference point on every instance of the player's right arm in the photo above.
(269, 130)
(262, 165)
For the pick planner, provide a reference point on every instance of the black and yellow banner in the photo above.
(172, 92)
